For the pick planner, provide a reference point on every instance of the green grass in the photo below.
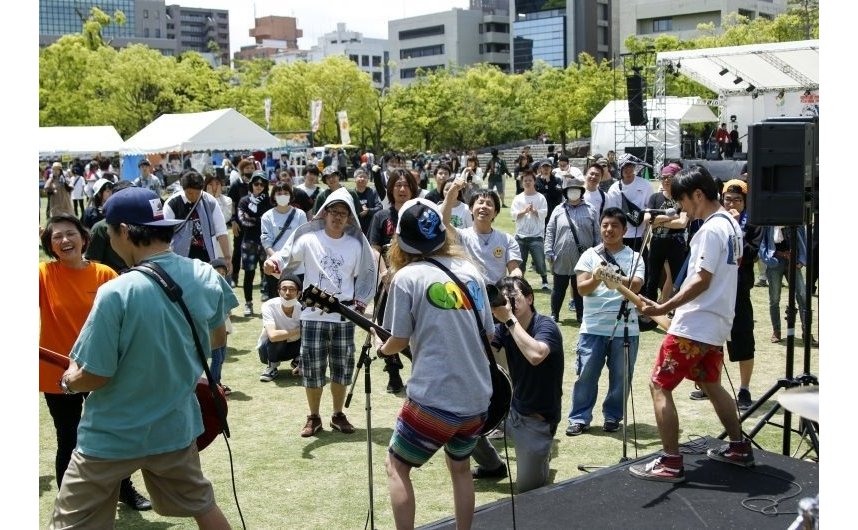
(285, 481)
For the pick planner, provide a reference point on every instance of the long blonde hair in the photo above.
(398, 258)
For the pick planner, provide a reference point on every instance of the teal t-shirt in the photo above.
(141, 340)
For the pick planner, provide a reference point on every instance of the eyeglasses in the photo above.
(667, 177)
(512, 294)
(733, 199)
(338, 213)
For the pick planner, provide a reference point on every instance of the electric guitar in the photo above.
(501, 383)
(616, 281)
(52, 366)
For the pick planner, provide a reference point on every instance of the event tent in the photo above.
(610, 130)
(58, 141)
(224, 129)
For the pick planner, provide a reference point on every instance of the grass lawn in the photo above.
(285, 481)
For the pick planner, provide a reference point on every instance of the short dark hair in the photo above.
(517, 282)
(48, 232)
(142, 235)
(312, 169)
(280, 186)
(694, 178)
(614, 213)
(443, 166)
(484, 193)
(191, 179)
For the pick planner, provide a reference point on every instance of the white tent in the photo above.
(610, 130)
(224, 129)
(58, 141)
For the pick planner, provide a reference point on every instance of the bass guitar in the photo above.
(616, 281)
(501, 383)
(52, 366)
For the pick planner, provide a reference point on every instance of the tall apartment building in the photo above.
(459, 37)
(557, 32)
(370, 55)
(274, 35)
(654, 17)
(171, 29)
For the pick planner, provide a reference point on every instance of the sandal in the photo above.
(776, 338)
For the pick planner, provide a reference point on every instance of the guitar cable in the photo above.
(232, 477)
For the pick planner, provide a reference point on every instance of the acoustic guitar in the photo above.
(501, 384)
(52, 366)
(616, 281)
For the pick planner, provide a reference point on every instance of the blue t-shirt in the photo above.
(140, 339)
(601, 306)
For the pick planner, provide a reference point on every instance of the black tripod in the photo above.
(805, 426)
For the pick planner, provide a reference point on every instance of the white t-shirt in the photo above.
(460, 216)
(594, 199)
(637, 192)
(490, 251)
(715, 248)
(77, 191)
(533, 223)
(272, 313)
(329, 264)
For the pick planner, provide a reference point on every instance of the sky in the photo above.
(320, 17)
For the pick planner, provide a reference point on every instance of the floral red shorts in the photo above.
(680, 358)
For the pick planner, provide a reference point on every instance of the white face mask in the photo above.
(282, 200)
(288, 303)
(573, 194)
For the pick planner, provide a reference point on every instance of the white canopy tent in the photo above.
(611, 131)
(79, 141)
(224, 129)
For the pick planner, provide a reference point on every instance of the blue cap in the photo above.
(137, 206)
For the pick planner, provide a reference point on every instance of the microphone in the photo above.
(670, 212)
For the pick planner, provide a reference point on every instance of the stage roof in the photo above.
(789, 66)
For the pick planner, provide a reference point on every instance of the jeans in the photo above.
(532, 438)
(533, 246)
(774, 274)
(594, 351)
(558, 293)
(218, 357)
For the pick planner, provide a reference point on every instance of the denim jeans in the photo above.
(594, 351)
(218, 357)
(533, 246)
(774, 274)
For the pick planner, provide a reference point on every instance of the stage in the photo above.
(711, 497)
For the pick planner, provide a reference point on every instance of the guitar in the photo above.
(616, 281)
(501, 384)
(52, 366)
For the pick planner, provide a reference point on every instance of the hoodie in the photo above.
(307, 245)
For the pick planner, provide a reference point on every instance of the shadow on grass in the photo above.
(238, 395)
(380, 437)
(233, 355)
(128, 518)
(46, 483)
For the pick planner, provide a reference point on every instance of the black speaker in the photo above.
(782, 161)
(635, 90)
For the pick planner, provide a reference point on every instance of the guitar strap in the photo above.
(158, 275)
(600, 250)
(285, 226)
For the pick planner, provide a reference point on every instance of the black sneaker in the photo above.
(697, 394)
(270, 374)
(743, 400)
(129, 496)
(575, 429)
(394, 383)
(481, 472)
(611, 426)
(736, 453)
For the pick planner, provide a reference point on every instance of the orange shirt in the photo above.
(65, 298)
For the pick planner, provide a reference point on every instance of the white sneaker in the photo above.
(269, 374)
(248, 309)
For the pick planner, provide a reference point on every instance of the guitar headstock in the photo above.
(315, 297)
(609, 275)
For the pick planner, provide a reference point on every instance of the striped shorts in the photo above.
(420, 431)
(324, 342)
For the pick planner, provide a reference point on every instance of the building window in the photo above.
(145, 33)
(602, 33)
(662, 24)
(376, 61)
(482, 49)
(481, 28)
(145, 13)
(603, 13)
(376, 77)
(354, 59)
(423, 51)
(411, 73)
(364, 60)
(157, 33)
(496, 27)
(421, 32)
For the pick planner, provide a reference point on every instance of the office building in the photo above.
(370, 55)
(274, 35)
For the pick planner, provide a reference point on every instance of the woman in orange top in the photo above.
(67, 287)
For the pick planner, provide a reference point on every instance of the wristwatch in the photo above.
(65, 386)
(510, 323)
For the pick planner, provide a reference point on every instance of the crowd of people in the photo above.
(401, 240)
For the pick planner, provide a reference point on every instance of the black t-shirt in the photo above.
(368, 198)
(383, 227)
(536, 389)
(657, 201)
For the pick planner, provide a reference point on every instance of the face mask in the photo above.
(288, 303)
(282, 200)
(573, 194)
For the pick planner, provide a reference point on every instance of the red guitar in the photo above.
(52, 366)
(501, 384)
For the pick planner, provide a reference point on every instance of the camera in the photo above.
(496, 296)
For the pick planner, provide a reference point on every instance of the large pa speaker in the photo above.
(783, 163)
(635, 90)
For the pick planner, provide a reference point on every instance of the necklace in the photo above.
(485, 238)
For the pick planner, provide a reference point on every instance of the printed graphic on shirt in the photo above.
(331, 276)
(447, 295)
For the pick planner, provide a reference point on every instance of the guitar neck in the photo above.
(365, 324)
(662, 321)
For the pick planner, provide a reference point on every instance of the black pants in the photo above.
(558, 293)
(78, 206)
(671, 250)
(236, 255)
(741, 345)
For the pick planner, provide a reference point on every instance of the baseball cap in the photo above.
(545, 162)
(259, 175)
(218, 263)
(741, 184)
(57, 165)
(420, 229)
(137, 206)
(143, 162)
(573, 182)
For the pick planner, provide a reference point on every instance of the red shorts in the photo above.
(680, 358)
